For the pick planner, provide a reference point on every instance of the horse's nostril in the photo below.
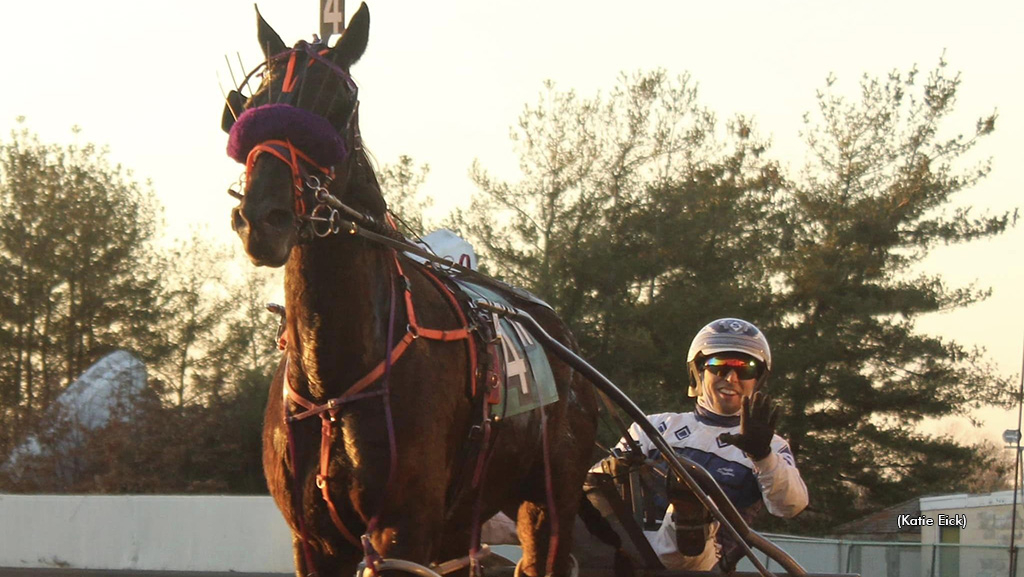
(279, 218)
(237, 220)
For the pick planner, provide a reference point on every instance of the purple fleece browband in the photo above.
(308, 132)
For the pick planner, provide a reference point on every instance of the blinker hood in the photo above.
(307, 131)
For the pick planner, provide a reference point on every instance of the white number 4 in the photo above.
(334, 14)
(515, 365)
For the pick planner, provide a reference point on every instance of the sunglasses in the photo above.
(745, 368)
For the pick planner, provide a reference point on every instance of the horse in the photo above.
(403, 463)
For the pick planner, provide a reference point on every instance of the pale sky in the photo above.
(444, 81)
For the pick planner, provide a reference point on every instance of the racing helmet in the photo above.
(727, 335)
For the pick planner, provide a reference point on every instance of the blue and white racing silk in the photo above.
(775, 480)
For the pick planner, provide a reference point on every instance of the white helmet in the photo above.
(727, 335)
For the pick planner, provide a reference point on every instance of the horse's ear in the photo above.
(233, 106)
(353, 41)
(270, 42)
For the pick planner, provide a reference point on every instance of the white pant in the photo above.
(663, 541)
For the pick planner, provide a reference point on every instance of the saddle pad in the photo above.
(528, 380)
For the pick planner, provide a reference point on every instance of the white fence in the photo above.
(886, 559)
(248, 535)
(144, 533)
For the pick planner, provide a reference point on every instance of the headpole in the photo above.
(332, 18)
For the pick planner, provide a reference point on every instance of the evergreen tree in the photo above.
(708, 239)
(855, 375)
(194, 271)
(640, 225)
(635, 217)
(74, 236)
(400, 183)
(246, 354)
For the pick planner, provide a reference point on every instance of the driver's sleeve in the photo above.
(782, 487)
(646, 446)
(622, 448)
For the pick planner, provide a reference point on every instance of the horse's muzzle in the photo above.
(268, 236)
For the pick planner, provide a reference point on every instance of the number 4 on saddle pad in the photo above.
(527, 380)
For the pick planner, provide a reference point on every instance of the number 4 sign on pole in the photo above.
(332, 18)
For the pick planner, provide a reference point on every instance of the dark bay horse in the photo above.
(389, 468)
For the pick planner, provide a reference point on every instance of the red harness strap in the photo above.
(328, 411)
(285, 151)
(447, 335)
(289, 77)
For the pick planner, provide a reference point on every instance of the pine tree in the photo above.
(400, 183)
(635, 216)
(74, 241)
(855, 375)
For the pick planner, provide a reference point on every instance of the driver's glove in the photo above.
(757, 427)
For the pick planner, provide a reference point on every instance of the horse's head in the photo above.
(296, 133)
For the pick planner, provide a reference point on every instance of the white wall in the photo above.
(814, 555)
(144, 532)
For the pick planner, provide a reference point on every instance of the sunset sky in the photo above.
(444, 81)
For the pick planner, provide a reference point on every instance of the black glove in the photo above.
(757, 427)
(618, 465)
(692, 520)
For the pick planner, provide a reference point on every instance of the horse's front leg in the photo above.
(312, 561)
(411, 534)
(534, 528)
(534, 525)
(568, 464)
(409, 512)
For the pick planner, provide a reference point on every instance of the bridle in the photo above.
(312, 147)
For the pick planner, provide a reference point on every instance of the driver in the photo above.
(731, 433)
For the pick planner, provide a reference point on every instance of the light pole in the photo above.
(1013, 436)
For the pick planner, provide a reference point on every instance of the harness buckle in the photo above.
(476, 432)
(237, 189)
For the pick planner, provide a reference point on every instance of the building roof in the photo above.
(968, 501)
(883, 522)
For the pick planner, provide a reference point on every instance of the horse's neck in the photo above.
(337, 293)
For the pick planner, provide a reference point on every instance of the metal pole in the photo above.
(1013, 513)
(1016, 472)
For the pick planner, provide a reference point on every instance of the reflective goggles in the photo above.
(745, 368)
